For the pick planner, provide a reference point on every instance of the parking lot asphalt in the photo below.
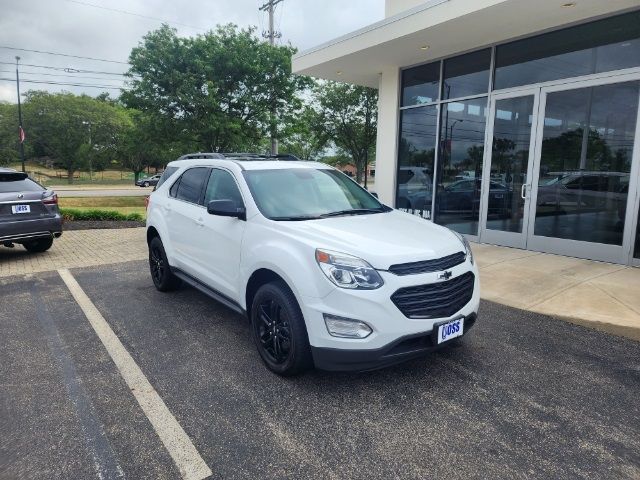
(525, 396)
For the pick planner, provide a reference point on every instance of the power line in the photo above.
(106, 87)
(63, 54)
(66, 69)
(133, 14)
(63, 75)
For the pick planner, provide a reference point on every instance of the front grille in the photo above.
(436, 300)
(426, 266)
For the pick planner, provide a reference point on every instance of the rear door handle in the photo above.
(523, 191)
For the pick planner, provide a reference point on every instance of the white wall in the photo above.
(386, 156)
(393, 7)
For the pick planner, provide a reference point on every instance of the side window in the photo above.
(191, 183)
(166, 175)
(222, 186)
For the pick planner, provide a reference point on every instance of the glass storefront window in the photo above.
(602, 46)
(420, 84)
(636, 253)
(509, 163)
(467, 75)
(585, 163)
(417, 150)
(459, 168)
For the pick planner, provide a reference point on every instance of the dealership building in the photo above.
(514, 122)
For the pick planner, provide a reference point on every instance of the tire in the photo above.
(163, 279)
(38, 246)
(146, 184)
(279, 331)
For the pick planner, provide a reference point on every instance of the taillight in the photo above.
(50, 200)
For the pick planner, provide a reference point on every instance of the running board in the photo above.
(208, 291)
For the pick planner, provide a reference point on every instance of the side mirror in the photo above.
(226, 208)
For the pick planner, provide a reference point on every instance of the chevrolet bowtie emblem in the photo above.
(445, 275)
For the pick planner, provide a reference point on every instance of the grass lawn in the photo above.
(117, 204)
(56, 176)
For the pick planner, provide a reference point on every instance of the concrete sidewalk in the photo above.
(595, 294)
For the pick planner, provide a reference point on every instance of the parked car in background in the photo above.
(327, 274)
(29, 212)
(464, 196)
(415, 186)
(149, 181)
(588, 190)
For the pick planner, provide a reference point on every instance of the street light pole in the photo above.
(20, 129)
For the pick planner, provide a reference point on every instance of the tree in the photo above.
(8, 134)
(214, 92)
(74, 130)
(301, 138)
(347, 116)
(139, 144)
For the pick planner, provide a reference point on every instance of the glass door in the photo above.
(584, 182)
(508, 168)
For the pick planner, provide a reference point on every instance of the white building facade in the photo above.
(514, 122)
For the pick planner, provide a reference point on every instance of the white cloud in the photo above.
(68, 27)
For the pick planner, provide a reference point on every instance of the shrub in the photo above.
(71, 214)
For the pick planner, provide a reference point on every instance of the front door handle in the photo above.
(523, 191)
(200, 222)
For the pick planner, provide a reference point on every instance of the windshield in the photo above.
(308, 193)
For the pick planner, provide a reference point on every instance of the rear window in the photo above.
(14, 183)
(166, 175)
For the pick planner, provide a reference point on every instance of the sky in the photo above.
(82, 28)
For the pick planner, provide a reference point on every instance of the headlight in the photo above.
(467, 246)
(347, 271)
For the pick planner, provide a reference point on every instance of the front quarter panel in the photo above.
(290, 258)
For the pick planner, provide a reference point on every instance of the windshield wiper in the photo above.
(295, 219)
(353, 211)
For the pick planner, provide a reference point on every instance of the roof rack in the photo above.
(193, 156)
(240, 156)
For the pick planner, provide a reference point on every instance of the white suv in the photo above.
(327, 274)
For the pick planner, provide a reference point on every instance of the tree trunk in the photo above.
(70, 176)
(358, 172)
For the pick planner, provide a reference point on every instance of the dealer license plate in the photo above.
(20, 209)
(450, 330)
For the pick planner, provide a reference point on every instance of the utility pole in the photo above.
(20, 129)
(271, 34)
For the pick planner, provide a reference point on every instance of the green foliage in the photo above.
(8, 134)
(70, 214)
(347, 116)
(302, 136)
(76, 131)
(214, 92)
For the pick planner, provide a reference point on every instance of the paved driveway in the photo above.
(525, 397)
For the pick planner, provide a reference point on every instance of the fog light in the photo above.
(346, 327)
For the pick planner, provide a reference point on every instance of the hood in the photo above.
(382, 239)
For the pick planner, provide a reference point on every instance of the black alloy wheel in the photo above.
(163, 279)
(279, 330)
(274, 331)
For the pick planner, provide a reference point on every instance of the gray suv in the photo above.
(29, 212)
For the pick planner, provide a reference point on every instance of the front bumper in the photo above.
(398, 351)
